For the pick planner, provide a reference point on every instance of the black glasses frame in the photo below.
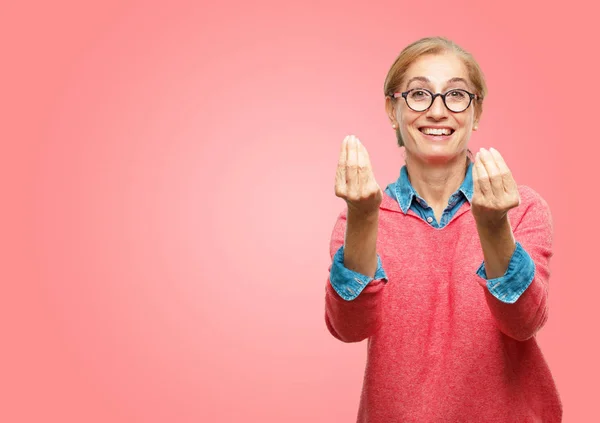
(433, 97)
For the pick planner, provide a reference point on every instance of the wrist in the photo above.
(493, 226)
(498, 234)
(362, 216)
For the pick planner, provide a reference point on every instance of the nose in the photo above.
(438, 108)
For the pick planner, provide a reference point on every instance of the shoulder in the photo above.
(533, 207)
(530, 198)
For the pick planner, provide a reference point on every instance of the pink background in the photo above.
(167, 178)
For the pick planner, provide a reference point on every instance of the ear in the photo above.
(390, 110)
(476, 119)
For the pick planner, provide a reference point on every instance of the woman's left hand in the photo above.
(494, 189)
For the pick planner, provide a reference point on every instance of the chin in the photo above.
(438, 159)
(437, 155)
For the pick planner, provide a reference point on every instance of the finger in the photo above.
(340, 174)
(475, 175)
(493, 172)
(371, 185)
(507, 179)
(352, 168)
(364, 168)
(485, 186)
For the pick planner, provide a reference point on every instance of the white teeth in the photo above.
(436, 131)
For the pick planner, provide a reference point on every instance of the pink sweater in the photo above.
(440, 347)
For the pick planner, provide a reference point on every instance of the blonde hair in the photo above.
(435, 45)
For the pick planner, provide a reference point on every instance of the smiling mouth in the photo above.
(436, 131)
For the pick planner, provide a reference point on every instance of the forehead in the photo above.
(437, 68)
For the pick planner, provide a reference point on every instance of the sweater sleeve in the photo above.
(518, 276)
(521, 316)
(351, 317)
(348, 283)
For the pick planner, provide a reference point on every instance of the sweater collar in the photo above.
(405, 194)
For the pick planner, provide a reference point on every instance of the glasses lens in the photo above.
(418, 100)
(457, 100)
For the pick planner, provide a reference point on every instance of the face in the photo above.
(438, 74)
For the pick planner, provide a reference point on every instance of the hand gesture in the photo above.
(354, 181)
(494, 189)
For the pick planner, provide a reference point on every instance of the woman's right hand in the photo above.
(354, 181)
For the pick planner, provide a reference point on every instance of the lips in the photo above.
(436, 130)
(442, 135)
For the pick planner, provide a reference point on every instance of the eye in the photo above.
(457, 94)
(418, 94)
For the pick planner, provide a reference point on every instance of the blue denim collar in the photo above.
(405, 193)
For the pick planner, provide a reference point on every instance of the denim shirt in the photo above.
(507, 288)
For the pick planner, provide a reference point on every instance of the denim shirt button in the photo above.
(430, 219)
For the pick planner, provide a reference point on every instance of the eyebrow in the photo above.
(423, 79)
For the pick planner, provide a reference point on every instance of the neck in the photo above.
(436, 182)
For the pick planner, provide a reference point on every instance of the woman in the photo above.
(446, 272)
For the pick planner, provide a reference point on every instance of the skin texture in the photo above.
(436, 169)
(495, 193)
(356, 184)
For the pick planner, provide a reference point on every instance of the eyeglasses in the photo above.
(421, 99)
